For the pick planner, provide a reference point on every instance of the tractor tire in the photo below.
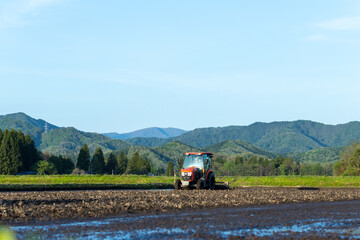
(211, 182)
(177, 184)
(199, 184)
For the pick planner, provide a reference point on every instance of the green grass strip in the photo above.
(151, 182)
(293, 181)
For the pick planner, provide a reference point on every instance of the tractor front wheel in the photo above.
(177, 184)
(199, 184)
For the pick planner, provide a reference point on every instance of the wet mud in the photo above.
(76, 205)
(324, 220)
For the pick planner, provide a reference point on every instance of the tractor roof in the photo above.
(199, 153)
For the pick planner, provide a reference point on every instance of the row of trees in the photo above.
(114, 164)
(260, 166)
(17, 152)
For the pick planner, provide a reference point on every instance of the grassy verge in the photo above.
(83, 182)
(94, 182)
(293, 181)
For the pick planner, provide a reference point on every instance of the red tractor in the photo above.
(196, 172)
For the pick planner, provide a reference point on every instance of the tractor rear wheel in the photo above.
(212, 182)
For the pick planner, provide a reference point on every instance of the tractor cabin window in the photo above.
(194, 161)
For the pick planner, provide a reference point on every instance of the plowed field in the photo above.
(68, 205)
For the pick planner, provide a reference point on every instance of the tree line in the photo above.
(113, 164)
(261, 166)
(19, 155)
(17, 152)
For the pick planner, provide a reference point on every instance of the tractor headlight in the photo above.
(183, 173)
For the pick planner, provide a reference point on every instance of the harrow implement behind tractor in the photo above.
(196, 173)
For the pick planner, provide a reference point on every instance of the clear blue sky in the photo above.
(119, 66)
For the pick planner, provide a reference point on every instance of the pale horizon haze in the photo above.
(120, 66)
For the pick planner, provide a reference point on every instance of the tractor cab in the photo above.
(197, 160)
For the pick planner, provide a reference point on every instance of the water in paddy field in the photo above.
(324, 220)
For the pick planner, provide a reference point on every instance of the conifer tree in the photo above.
(31, 154)
(98, 162)
(122, 163)
(1, 135)
(169, 169)
(139, 164)
(111, 164)
(133, 164)
(20, 138)
(83, 160)
(10, 156)
(146, 166)
(15, 154)
(4, 150)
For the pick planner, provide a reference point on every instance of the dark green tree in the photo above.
(111, 164)
(239, 160)
(20, 139)
(122, 163)
(169, 169)
(145, 166)
(15, 152)
(83, 160)
(4, 153)
(67, 165)
(62, 165)
(10, 155)
(134, 164)
(31, 154)
(15, 155)
(98, 162)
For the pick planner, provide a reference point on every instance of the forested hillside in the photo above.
(154, 132)
(28, 125)
(320, 155)
(278, 137)
(148, 142)
(68, 141)
(238, 147)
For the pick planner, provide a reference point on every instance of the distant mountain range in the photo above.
(147, 133)
(66, 141)
(302, 140)
(277, 137)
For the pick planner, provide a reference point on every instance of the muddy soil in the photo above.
(67, 205)
(322, 220)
